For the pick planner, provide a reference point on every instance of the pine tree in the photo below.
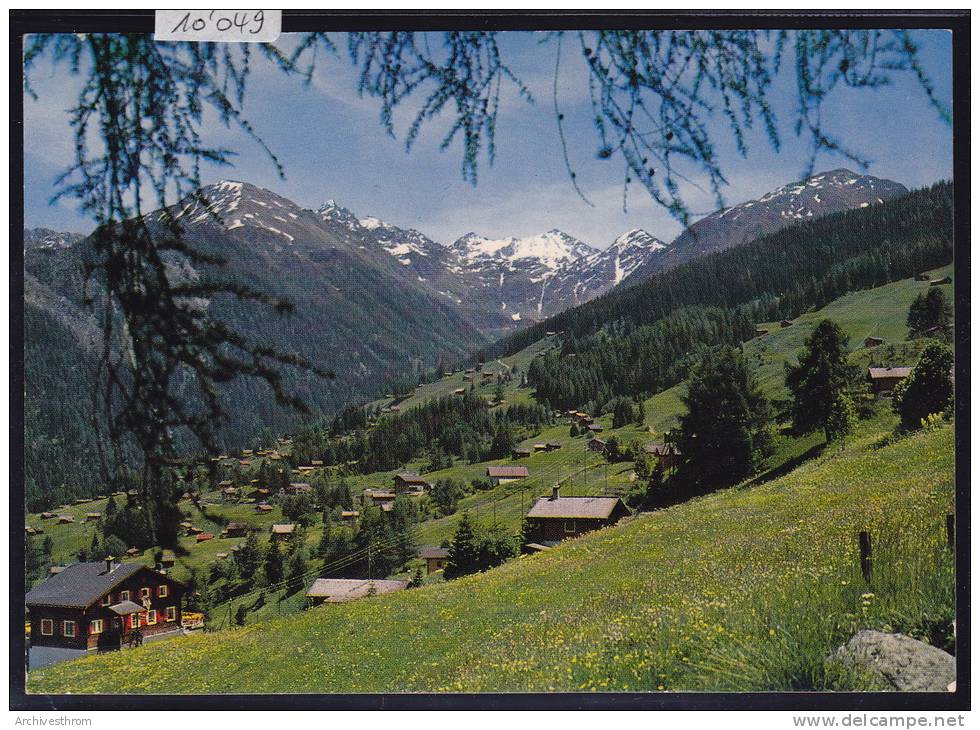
(929, 387)
(822, 376)
(930, 310)
(273, 565)
(463, 551)
(249, 557)
(417, 580)
(725, 431)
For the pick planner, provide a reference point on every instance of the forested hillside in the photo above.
(782, 275)
(642, 340)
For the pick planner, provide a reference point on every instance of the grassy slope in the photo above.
(880, 312)
(742, 589)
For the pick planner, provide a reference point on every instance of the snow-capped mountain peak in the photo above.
(639, 239)
(550, 249)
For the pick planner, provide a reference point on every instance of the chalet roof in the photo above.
(125, 608)
(507, 471)
(204, 536)
(341, 590)
(661, 449)
(285, 529)
(80, 585)
(411, 479)
(572, 507)
(598, 441)
(263, 507)
(554, 444)
(901, 372)
(237, 526)
(434, 552)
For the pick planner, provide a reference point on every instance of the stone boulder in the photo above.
(904, 663)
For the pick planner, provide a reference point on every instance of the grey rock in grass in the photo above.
(906, 664)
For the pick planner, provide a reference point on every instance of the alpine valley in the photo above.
(378, 304)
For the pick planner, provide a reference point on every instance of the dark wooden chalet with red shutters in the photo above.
(103, 605)
(556, 518)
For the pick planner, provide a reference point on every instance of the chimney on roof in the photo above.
(554, 492)
(108, 563)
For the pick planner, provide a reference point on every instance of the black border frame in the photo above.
(141, 21)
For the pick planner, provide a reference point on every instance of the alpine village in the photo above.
(697, 465)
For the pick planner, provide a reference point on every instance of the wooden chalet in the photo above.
(922, 277)
(28, 530)
(884, 380)
(435, 558)
(667, 455)
(459, 391)
(940, 282)
(65, 519)
(759, 331)
(316, 462)
(260, 493)
(520, 453)
(134, 552)
(554, 518)
(595, 428)
(287, 529)
(204, 536)
(377, 496)
(505, 474)
(47, 515)
(874, 341)
(786, 323)
(93, 516)
(349, 515)
(410, 483)
(298, 488)
(103, 605)
(168, 559)
(236, 529)
(343, 590)
(540, 447)
(263, 508)
(596, 444)
(553, 446)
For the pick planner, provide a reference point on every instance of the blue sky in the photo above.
(332, 145)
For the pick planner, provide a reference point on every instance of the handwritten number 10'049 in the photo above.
(223, 23)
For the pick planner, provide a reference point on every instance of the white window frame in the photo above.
(146, 592)
(163, 590)
(123, 596)
(50, 623)
(96, 626)
(151, 617)
(566, 526)
(171, 613)
(107, 599)
(64, 628)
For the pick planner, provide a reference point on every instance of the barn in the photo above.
(555, 518)
(505, 474)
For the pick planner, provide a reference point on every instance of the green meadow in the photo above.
(748, 588)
